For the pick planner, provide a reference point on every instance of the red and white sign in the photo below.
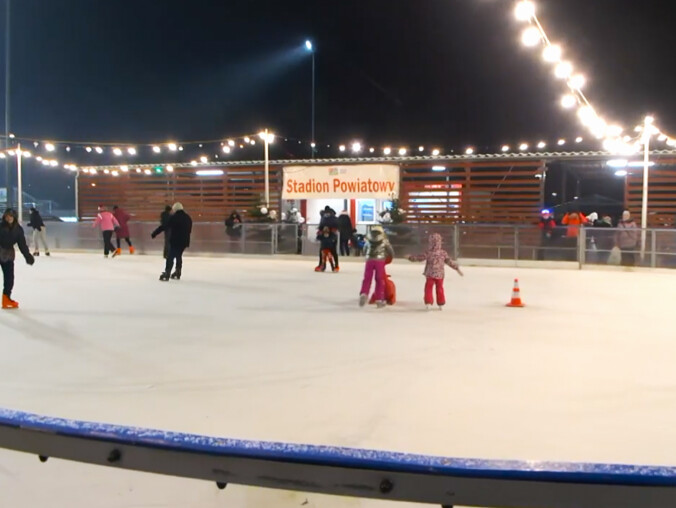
(365, 181)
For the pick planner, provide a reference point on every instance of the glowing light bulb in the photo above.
(524, 10)
(387, 151)
(341, 148)
(147, 171)
(505, 148)
(227, 149)
(541, 145)
(531, 37)
(523, 147)
(356, 147)
(615, 131)
(124, 168)
(50, 147)
(568, 101)
(131, 150)
(402, 151)
(99, 150)
(469, 151)
(203, 159)
(578, 81)
(157, 149)
(421, 148)
(170, 169)
(579, 139)
(436, 152)
(563, 70)
(88, 149)
(172, 147)
(117, 151)
(561, 142)
(552, 54)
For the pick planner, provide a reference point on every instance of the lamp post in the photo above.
(7, 94)
(647, 134)
(267, 139)
(310, 47)
(19, 183)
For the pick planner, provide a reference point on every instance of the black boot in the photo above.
(176, 275)
(164, 276)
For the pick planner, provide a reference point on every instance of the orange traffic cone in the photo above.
(516, 296)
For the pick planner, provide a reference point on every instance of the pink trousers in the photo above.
(377, 267)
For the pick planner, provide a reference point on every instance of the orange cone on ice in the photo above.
(516, 296)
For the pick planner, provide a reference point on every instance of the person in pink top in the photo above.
(107, 223)
(437, 258)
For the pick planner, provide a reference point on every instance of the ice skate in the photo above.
(362, 299)
(381, 304)
(428, 306)
(132, 250)
(336, 269)
(164, 276)
(37, 253)
(105, 256)
(319, 269)
(441, 307)
(117, 252)
(47, 253)
(176, 275)
(8, 303)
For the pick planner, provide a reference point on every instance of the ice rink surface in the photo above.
(266, 349)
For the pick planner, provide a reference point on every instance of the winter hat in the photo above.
(626, 215)
(177, 206)
(593, 217)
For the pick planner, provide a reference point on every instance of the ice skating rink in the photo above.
(266, 349)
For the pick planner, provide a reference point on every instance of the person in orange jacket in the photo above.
(574, 220)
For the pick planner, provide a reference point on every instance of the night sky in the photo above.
(450, 73)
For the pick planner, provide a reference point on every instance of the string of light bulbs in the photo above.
(535, 35)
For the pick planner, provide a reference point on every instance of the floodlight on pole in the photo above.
(311, 48)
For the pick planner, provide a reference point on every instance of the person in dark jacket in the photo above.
(122, 232)
(164, 221)
(330, 221)
(346, 229)
(11, 234)
(233, 226)
(327, 246)
(39, 232)
(180, 226)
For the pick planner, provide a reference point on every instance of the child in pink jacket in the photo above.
(107, 222)
(436, 258)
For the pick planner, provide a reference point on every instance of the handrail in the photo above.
(342, 471)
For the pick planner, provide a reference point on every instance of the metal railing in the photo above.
(441, 481)
(206, 238)
(584, 246)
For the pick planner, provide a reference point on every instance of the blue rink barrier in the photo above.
(342, 471)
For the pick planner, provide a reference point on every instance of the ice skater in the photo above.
(327, 241)
(437, 259)
(123, 231)
(39, 232)
(378, 251)
(179, 227)
(11, 234)
(107, 222)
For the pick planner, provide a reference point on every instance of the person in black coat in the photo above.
(327, 245)
(11, 234)
(39, 233)
(164, 221)
(346, 229)
(179, 226)
(329, 220)
(233, 226)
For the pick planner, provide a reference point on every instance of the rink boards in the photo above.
(341, 471)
